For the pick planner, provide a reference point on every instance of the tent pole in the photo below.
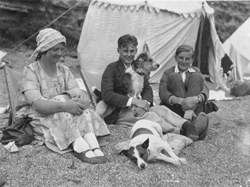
(88, 90)
(84, 80)
(7, 85)
(10, 102)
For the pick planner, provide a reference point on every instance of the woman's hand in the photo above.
(74, 107)
(85, 101)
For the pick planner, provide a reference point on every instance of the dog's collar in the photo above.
(140, 131)
(139, 73)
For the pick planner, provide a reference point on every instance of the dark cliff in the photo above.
(20, 19)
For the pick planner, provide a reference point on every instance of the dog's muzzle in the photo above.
(142, 166)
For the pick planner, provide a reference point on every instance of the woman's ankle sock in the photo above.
(90, 138)
(80, 145)
(90, 154)
(98, 152)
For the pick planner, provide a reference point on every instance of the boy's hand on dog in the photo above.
(138, 112)
(141, 103)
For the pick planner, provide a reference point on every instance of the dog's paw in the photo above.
(183, 161)
(179, 161)
(176, 162)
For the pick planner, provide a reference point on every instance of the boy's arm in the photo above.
(109, 96)
(164, 93)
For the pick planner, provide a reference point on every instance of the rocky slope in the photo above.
(21, 19)
(229, 15)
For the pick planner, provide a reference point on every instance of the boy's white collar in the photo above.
(190, 69)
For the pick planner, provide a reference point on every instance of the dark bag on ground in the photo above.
(20, 131)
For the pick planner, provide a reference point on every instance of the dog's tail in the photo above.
(97, 94)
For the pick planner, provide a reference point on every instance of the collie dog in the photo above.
(133, 79)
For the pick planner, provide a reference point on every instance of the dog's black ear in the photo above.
(135, 63)
(125, 152)
(145, 144)
(97, 93)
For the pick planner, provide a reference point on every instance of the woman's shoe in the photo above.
(103, 158)
(82, 156)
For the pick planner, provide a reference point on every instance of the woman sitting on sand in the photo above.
(60, 110)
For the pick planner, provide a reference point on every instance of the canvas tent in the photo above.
(163, 25)
(238, 49)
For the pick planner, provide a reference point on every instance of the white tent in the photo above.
(163, 25)
(238, 49)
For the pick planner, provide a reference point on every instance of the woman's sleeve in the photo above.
(29, 80)
(71, 81)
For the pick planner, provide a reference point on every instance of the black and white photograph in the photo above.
(124, 93)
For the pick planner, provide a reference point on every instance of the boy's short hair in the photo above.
(127, 39)
(184, 48)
